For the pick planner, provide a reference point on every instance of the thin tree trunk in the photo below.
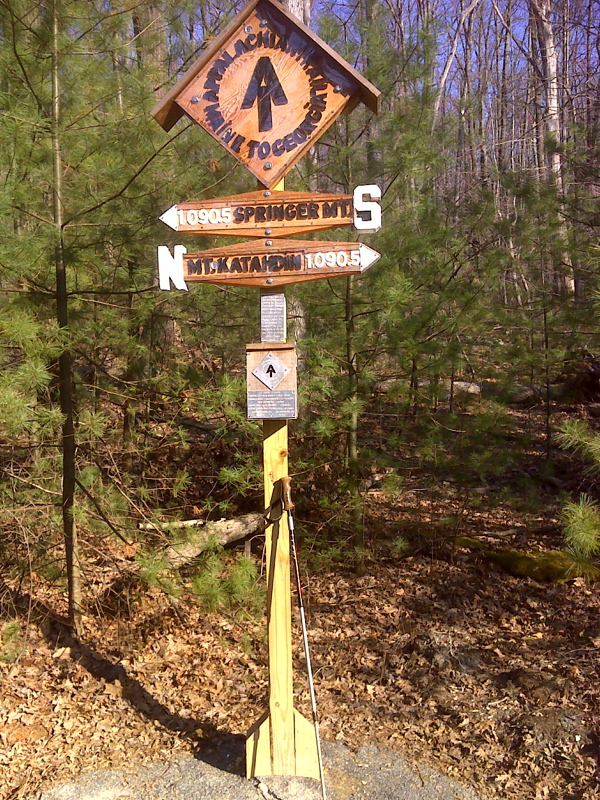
(450, 60)
(352, 462)
(541, 11)
(352, 435)
(300, 9)
(64, 362)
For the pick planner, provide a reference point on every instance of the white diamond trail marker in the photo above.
(271, 371)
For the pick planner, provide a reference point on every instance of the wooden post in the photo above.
(270, 744)
(282, 741)
(279, 614)
(279, 608)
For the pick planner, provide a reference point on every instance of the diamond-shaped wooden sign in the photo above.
(266, 89)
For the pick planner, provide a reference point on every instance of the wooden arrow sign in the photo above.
(264, 263)
(276, 214)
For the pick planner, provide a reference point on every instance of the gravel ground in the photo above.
(368, 774)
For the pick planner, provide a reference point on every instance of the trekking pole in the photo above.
(288, 505)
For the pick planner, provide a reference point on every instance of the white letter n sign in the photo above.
(170, 267)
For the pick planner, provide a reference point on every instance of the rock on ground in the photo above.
(368, 774)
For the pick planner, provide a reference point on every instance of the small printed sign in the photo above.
(265, 264)
(271, 381)
(273, 316)
(266, 89)
(272, 405)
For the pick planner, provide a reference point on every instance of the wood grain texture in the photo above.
(259, 214)
(307, 757)
(286, 355)
(258, 748)
(279, 264)
(279, 613)
(299, 101)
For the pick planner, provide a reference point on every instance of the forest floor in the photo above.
(490, 678)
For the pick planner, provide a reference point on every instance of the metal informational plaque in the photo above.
(273, 316)
(272, 405)
(271, 375)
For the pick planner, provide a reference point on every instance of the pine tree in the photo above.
(86, 336)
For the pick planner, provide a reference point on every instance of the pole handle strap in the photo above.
(283, 503)
(286, 494)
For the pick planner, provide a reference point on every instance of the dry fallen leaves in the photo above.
(487, 677)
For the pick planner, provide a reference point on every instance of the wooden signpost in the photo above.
(276, 214)
(266, 89)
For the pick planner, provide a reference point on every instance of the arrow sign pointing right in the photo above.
(368, 256)
(266, 263)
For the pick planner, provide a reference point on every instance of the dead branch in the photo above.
(222, 532)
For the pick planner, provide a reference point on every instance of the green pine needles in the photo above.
(11, 641)
(222, 583)
(581, 518)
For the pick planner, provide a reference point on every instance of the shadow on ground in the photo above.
(224, 750)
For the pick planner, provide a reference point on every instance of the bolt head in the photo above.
(268, 243)
(195, 99)
(269, 281)
(268, 193)
(247, 28)
(264, 23)
(268, 165)
(337, 88)
(267, 231)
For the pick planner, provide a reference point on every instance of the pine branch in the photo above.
(128, 183)
(96, 505)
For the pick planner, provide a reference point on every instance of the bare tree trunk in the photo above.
(300, 9)
(150, 43)
(64, 361)
(450, 60)
(541, 11)
(221, 532)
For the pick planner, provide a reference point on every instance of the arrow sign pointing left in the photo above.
(266, 263)
(277, 214)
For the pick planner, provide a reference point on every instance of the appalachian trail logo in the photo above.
(267, 93)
